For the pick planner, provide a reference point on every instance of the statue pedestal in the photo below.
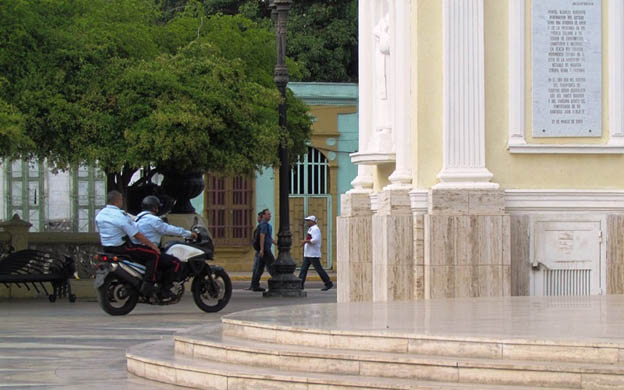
(467, 245)
(354, 260)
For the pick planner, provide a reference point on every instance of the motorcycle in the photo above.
(118, 278)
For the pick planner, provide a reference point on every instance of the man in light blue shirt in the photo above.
(114, 225)
(153, 227)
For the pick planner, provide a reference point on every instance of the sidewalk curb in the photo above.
(83, 288)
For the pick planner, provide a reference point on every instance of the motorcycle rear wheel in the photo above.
(208, 299)
(116, 296)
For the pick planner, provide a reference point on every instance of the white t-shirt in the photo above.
(313, 248)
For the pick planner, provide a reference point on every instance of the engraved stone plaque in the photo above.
(566, 39)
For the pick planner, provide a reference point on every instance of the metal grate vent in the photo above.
(567, 282)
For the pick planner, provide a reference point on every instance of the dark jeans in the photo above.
(258, 268)
(316, 263)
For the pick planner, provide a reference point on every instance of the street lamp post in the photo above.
(283, 283)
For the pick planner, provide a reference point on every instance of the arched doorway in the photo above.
(310, 195)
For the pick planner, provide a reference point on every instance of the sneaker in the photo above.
(258, 289)
(327, 287)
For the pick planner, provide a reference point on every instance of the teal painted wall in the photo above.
(198, 203)
(347, 143)
(265, 190)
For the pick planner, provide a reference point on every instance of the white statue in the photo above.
(381, 140)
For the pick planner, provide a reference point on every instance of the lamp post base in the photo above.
(285, 285)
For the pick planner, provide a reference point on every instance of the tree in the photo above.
(322, 34)
(118, 84)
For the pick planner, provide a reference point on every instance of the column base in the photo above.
(465, 178)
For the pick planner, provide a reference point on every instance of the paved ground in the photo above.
(77, 346)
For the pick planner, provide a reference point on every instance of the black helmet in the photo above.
(150, 203)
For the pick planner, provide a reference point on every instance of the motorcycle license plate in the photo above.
(100, 276)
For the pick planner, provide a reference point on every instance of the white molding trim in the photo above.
(516, 142)
(463, 79)
(419, 201)
(523, 201)
(616, 72)
(372, 158)
(567, 149)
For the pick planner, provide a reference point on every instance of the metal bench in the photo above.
(34, 268)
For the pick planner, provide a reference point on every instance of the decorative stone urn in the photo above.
(183, 188)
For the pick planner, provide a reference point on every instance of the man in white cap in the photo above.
(312, 254)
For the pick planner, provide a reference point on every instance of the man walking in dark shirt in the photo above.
(265, 256)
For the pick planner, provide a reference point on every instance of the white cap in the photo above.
(311, 218)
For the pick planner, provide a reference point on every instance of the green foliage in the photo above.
(131, 83)
(13, 141)
(200, 110)
(322, 37)
(322, 34)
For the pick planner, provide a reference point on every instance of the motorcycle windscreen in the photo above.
(183, 252)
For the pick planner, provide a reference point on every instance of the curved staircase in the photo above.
(373, 346)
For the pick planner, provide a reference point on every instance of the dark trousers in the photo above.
(169, 265)
(258, 268)
(316, 263)
(141, 254)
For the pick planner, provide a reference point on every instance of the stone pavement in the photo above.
(62, 345)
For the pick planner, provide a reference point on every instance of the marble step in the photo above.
(208, 343)
(157, 361)
(531, 349)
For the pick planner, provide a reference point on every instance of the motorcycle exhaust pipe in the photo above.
(128, 274)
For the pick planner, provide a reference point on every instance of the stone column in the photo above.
(393, 250)
(401, 178)
(464, 97)
(363, 182)
(354, 262)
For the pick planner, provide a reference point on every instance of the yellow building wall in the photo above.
(428, 71)
(526, 171)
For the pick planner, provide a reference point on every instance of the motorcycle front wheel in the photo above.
(116, 296)
(212, 296)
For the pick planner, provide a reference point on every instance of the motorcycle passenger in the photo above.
(114, 225)
(153, 227)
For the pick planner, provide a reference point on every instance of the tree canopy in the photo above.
(322, 34)
(126, 84)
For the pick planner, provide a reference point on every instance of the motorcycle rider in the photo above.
(153, 228)
(114, 225)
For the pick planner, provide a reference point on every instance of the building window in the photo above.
(25, 195)
(310, 176)
(229, 209)
(88, 197)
